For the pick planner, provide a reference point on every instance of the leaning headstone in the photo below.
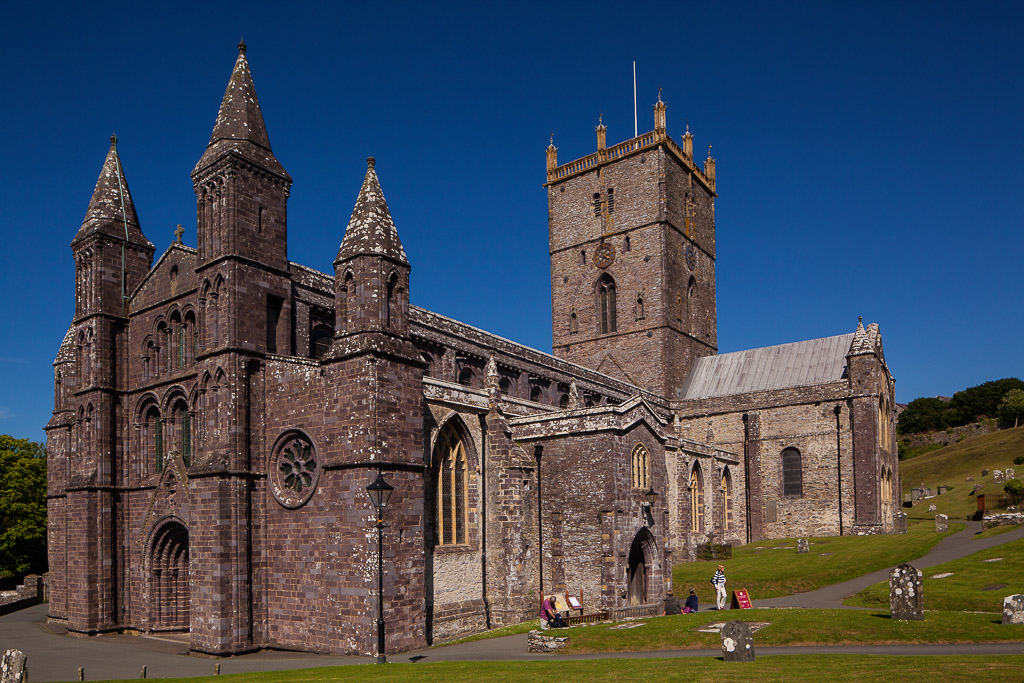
(977, 487)
(941, 523)
(802, 546)
(997, 476)
(737, 642)
(906, 601)
(931, 508)
(12, 667)
(1013, 609)
(984, 473)
(969, 478)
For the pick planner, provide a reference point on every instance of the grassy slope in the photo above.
(814, 668)
(964, 590)
(951, 466)
(792, 627)
(768, 569)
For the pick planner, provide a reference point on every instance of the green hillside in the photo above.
(951, 465)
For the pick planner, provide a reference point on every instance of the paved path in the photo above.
(953, 547)
(55, 656)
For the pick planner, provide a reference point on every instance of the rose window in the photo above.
(294, 470)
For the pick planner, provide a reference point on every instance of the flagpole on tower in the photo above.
(635, 132)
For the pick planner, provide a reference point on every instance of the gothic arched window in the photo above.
(697, 500)
(792, 473)
(606, 303)
(726, 500)
(450, 477)
(640, 466)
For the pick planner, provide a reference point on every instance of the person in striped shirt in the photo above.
(718, 580)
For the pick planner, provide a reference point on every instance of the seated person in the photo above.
(549, 617)
(671, 604)
(691, 602)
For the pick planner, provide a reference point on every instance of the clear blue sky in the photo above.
(869, 155)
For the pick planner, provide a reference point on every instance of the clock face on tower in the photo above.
(604, 255)
(691, 256)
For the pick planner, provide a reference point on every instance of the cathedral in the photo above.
(220, 413)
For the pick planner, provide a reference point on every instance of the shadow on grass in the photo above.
(882, 616)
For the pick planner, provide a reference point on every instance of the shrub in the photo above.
(1014, 491)
(1019, 460)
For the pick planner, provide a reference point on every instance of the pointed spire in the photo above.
(370, 229)
(111, 204)
(239, 126)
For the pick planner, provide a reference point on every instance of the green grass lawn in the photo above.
(990, 668)
(953, 464)
(795, 627)
(964, 590)
(769, 569)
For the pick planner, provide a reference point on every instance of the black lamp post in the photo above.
(379, 492)
(651, 498)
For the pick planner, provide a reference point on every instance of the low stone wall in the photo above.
(1003, 519)
(29, 593)
(538, 642)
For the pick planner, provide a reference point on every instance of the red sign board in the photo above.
(740, 600)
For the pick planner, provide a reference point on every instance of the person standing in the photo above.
(719, 582)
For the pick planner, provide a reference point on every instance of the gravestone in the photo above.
(931, 508)
(943, 489)
(737, 642)
(802, 546)
(1013, 609)
(1009, 473)
(970, 477)
(984, 473)
(906, 601)
(12, 667)
(941, 523)
(997, 476)
(977, 487)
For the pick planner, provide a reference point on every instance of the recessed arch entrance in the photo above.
(169, 606)
(641, 564)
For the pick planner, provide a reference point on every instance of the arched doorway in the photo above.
(168, 578)
(641, 561)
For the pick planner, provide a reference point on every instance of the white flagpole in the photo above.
(635, 132)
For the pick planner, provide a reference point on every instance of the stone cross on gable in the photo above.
(178, 233)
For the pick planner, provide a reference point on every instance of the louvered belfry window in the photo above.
(450, 468)
(792, 475)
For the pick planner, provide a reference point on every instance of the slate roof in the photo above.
(111, 203)
(370, 229)
(239, 126)
(805, 363)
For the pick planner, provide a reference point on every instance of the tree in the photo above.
(1011, 408)
(922, 415)
(969, 404)
(22, 506)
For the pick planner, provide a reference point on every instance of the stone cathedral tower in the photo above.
(632, 243)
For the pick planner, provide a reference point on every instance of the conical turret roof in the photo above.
(239, 126)
(111, 205)
(370, 229)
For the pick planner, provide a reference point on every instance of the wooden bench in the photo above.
(585, 618)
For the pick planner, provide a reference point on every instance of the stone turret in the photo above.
(371, 269)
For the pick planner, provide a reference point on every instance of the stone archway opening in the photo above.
(169, 605)
(638, 571)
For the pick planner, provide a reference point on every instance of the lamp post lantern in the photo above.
(379, 492)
